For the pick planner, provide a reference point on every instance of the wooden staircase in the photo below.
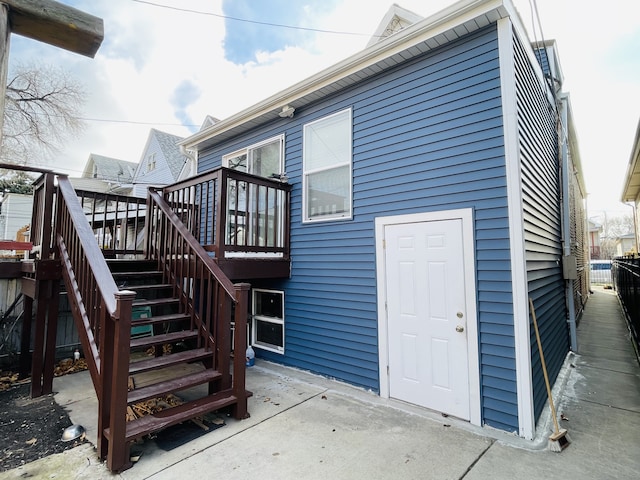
(181, 294)
(165, 341)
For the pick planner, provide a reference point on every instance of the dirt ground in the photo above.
(30, 429)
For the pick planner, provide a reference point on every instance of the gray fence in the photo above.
(11, 313)
(601, 272)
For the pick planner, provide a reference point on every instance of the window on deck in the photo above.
(263, 159)
(255, 213)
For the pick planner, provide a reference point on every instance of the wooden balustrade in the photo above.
(117, 222)
(241, 219)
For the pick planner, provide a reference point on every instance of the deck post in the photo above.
(222, 330)
(25, 338)
(39, 337)
(221, 215)
(239, 348)
(105, 369)
(118, 454)
(50, 342)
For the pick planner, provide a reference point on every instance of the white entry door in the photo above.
(426, 317)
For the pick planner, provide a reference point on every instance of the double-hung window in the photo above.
(327, 165)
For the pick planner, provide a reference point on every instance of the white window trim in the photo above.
(277, 321)
(151, 162)
(245, 150)
(305, 173)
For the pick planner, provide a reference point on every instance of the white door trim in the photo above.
(466, 217)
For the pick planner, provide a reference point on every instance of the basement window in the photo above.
(267, 320)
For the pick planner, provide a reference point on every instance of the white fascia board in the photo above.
(629, 193)
(574, 151)
(434, 26)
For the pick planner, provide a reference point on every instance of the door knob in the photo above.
(459, 329)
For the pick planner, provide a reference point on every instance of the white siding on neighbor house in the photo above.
(160, 175)
(16, 213)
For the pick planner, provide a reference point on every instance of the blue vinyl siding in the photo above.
(427, 136)
(543, 59)
(541, 202)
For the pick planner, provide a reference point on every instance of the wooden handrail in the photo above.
(104, 280)
(102, 314)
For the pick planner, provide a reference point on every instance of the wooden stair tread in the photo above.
(145, 273)
(143, 302)
(172, 416)
(172, 337)
(153, 286)
(155, 363)
(171, 317)
(173, 385)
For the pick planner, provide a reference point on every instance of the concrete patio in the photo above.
(306, 426)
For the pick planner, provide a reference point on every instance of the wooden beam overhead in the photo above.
(56, 24)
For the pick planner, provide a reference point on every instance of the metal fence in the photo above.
(626, 278)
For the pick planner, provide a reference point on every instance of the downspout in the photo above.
(569, 266)
(635, 227)
(191, 163)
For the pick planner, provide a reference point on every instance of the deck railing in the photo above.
(39, 282)
(117, 221)
(42, 213)
(626, 278)
(232, 213)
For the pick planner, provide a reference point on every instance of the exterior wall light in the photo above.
(287, 111)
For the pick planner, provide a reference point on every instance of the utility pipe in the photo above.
(566, 220)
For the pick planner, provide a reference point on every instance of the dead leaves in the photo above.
(69, 365)
(154, 405)
(63, 367)
(7, 379)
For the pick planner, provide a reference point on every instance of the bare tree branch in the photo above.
(42, 109)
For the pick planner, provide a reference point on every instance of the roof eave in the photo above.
(631, 188)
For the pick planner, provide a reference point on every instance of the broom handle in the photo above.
(544, 367)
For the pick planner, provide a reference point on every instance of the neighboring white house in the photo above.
(626, 244)
(106, 174)
(162, 162)
(595, 232)
(15, 213)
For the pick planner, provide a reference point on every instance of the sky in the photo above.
(168, 68)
